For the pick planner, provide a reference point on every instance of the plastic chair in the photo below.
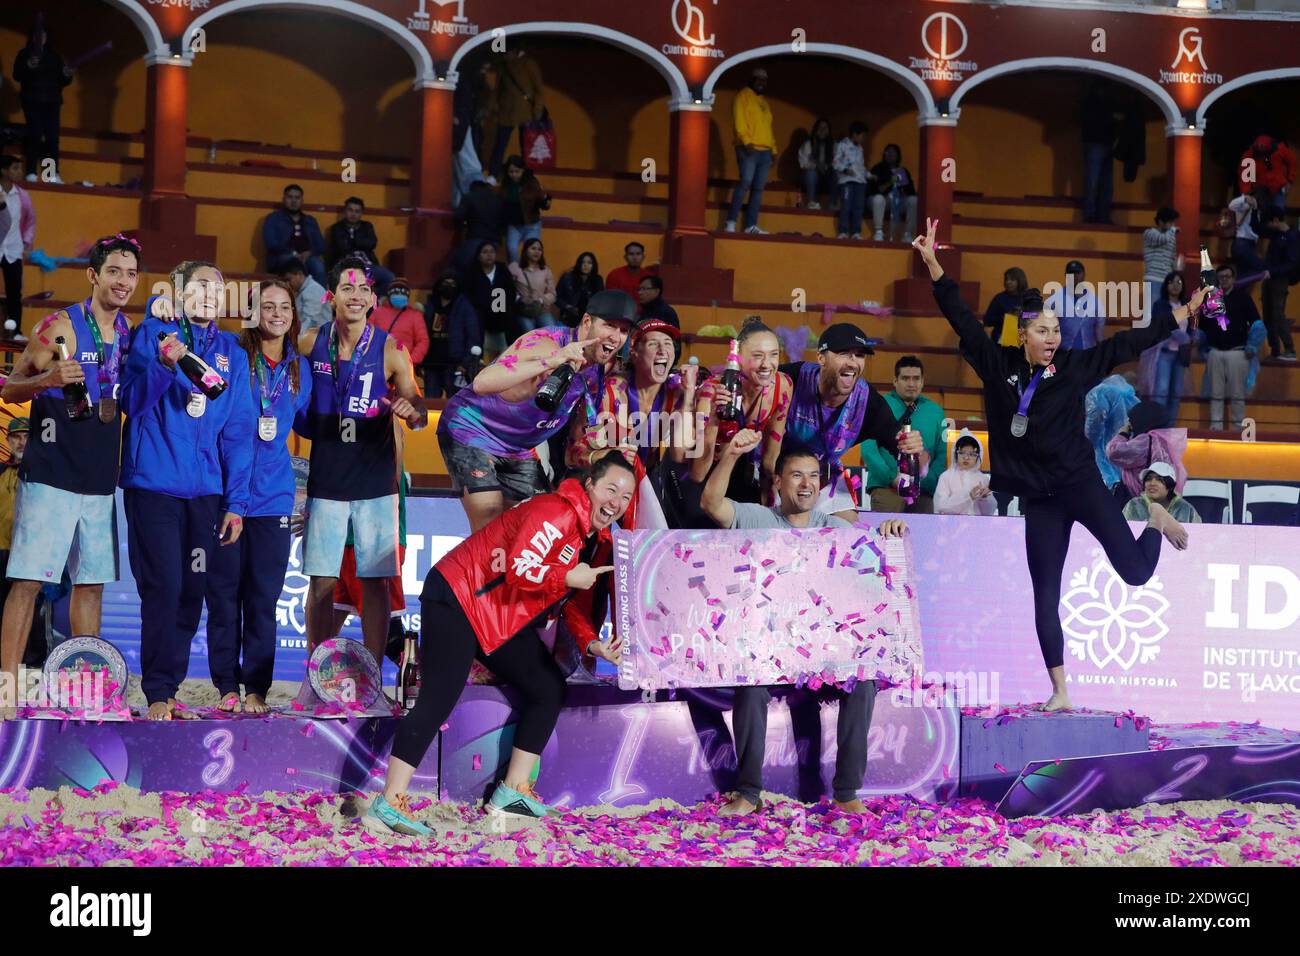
(1214, 491)
(1287, 495)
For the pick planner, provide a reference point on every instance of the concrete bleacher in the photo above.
(601, 212)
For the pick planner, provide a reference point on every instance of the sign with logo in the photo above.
(944, 39)
(423, 21)
(689, 22)
(1190, 55)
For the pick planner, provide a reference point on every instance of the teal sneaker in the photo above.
(383, 817)
(508, 802)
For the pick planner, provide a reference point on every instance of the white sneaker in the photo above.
(730, 226)
(756, 231)
(813, 205)
(879, 236)
(857, 235)
(842, 235)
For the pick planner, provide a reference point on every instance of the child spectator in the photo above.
(963, 489)
(1002, 317)
(1158, 488)
(1144, 441)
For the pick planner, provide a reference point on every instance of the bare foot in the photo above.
(229, 703)
(739, 807)
(162, 710)
(1164, 522)
(1060, 700)
(254, 704)
(850, 806)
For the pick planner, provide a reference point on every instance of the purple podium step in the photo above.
(994, 748)
(612, 747)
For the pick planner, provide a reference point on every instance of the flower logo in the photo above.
(1106, 621)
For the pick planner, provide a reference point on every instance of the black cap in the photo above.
(844, 337)
(1073, 267)
(612, 305)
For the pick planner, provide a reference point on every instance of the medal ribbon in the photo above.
(278, 378)
(110, 361)
(1027, 394)
(357, 355)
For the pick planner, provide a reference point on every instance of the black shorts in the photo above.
(474, 470)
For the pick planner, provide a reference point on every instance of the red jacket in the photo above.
(511, 572)
(407, 326)
(1273, 173)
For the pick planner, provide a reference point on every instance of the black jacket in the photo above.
(1283, 256)
(344, 240)
(42, 86)
(1054, 454)
(1241, 315)
(482, 211)
(571, 295)
(479, 292)
(657, 308)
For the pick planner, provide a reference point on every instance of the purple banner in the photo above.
(727, 608)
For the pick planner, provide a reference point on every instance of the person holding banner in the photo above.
(187, 459)
(245, 579)
(488, 432)
(1033, 398)
(834, 409)
(485, 601)
(798, 477)
(362, 378)
(646, 415)
(66, 511)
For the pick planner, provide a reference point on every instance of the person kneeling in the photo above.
(485, 601)
(798, 485)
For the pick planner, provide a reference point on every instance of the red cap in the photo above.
(646, 326)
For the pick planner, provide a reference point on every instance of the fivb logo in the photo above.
(77, 909)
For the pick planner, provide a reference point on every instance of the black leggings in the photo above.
(1047, 538)
(448, 646)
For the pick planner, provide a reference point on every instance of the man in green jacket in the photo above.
(926, 417)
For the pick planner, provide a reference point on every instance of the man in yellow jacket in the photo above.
(755, 148)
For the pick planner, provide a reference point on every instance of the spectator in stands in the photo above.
(534, 288)
(755, 148)
(1083, 321)
(577, 286)
(42, 75)
(522, 202)
(1105, 410)
(466, 127)
(402, 319)
(893, 189)
(1282, 260)
(19, 430)
(1266, 171)
(1163, 366)
(816, 164)
(627, 278)
(1098, 128)
(909, 407)
(1002, 317)
(354, 236)
(437, 325)
(1158, 489)
(650, 293)
(963, 489)
(1143, 440)
(1245, 209)
(1159, 255)
(482, 215)
(308, 295)
(519, 99)
(493, 310)
(17, 233)
(851, 175)
(1226, 362)
(289, 233)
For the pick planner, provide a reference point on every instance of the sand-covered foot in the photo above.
(1059, 700)
(739, 807)
(1164, 522)
(161, 710)
(850, 806)
(254, 704)
(230, 703)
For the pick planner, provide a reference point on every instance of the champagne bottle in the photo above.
(731, 412)
(408, 678)
(75, 395)
(1209, 277)
(554, 388)
(909, 472)
(199, 372)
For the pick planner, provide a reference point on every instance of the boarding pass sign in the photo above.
(800, 606)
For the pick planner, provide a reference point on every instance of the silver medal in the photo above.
(198, 404)
(266, 427)
(1019, 425)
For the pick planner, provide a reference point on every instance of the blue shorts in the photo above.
(53, 528)
(374, 535)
